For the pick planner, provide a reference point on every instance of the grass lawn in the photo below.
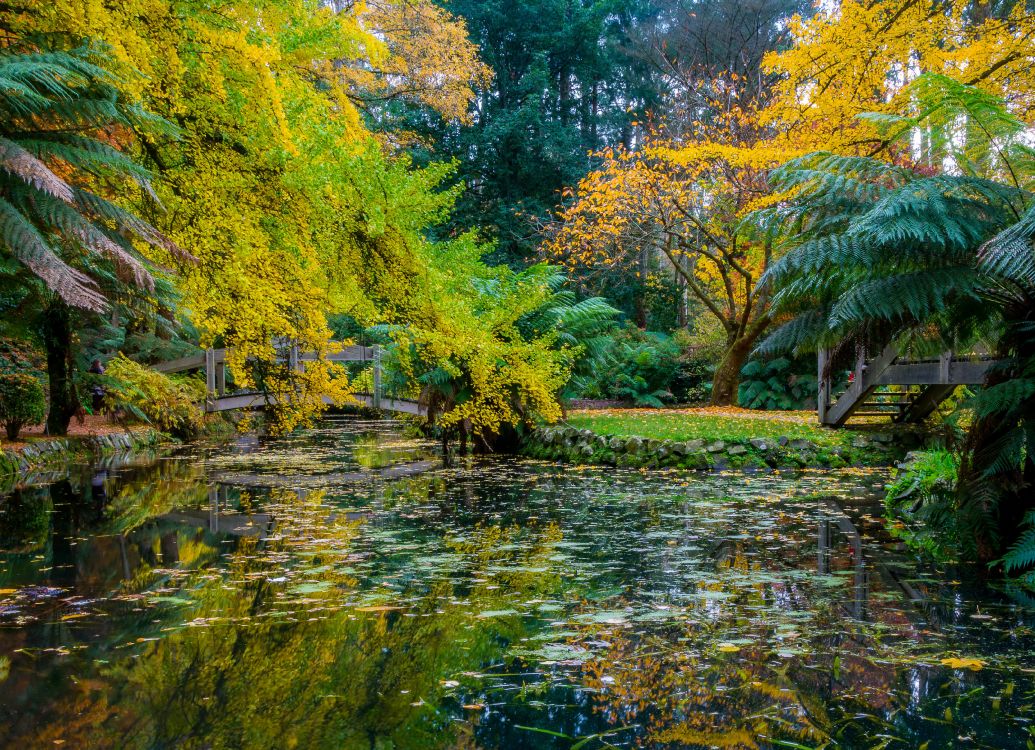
(708, 423)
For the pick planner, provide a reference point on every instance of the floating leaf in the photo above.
(963, 663)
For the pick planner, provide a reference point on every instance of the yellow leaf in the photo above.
(963, 663)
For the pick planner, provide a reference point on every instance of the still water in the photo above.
(340, 589)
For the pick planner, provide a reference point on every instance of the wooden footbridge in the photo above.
(922, 385)
(213, 362)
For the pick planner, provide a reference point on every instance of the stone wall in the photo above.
(584, 446)
(42, 453)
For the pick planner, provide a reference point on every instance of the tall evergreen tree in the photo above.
(564, 86)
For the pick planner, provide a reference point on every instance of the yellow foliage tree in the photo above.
(683, 201)
(857, 57)
(275, 183)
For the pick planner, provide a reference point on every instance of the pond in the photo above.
(341, 589)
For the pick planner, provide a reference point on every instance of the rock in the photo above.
(653, 445)
(663, 451)
(695, 461)
(883, 437)
(759, 444)
(678, 449)
(783, 440)
(736, 450)
(860, 442)
(616, 444)
(801, 445)
(586, 450)
(633, 445)
(694, 446)
(600, 440)
(716, 447)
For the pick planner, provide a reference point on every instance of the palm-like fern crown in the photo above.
(874, 251)
(54, 223)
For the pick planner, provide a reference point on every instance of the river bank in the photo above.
(772, 446)
(36, 453)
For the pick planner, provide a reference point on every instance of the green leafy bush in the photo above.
(1019, 560)
(692, 381)
(777, 384)
(922, 505)
(638, 366)
(21, 402)
(170, 403)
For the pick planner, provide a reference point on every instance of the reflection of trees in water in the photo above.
(686, 685)
(25, 519)
(263, 663)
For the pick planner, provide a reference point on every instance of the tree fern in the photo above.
(50, 169)
(875, 253)
(1021, 556)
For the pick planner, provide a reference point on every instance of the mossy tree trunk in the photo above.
(726, 381)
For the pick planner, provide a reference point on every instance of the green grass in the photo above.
(691, 424)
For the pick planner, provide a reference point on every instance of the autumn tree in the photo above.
(859, 57)
(276, 182)
(685, 204)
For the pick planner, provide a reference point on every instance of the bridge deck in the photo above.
(937, 378)
(213, 362)
(259, 401)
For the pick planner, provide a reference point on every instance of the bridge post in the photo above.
(377, 376)
(210, 371)
(823, 383)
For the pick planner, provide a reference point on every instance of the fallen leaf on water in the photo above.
(961, 663)
(378, 608)
(729, 648)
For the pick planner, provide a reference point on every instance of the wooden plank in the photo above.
(932, 373)
(193, 362)
(257, 401)
(392, 404)
(240, 401)
(823, 396)
(348, 354)
(210, 372)
(867, 378)
(924, 404)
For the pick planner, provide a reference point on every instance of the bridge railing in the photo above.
(213, 363)
(922, 385)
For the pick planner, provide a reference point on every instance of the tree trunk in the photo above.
(726, 380)
(57, 339)
(727, 374)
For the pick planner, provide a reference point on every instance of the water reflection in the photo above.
(322, 602)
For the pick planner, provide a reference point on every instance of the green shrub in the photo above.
(170, 403)
(1019, 560)
(777, 384)
(923, 508)
(638, 366)
(21, 402)
(692, 383)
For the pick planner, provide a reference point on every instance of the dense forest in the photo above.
(640, 201)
